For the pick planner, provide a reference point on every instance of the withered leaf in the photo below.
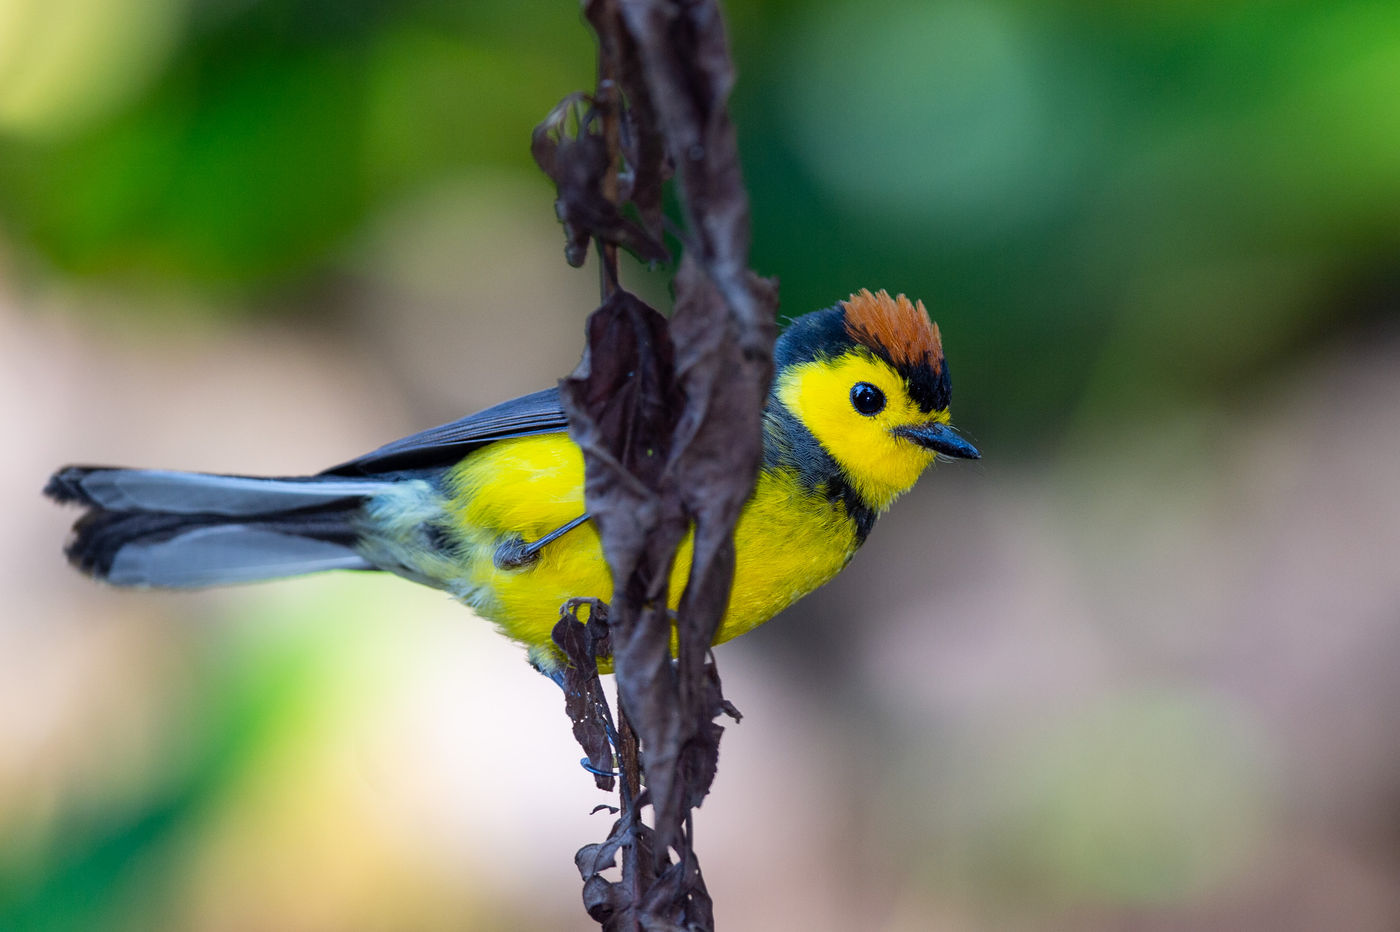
(669, 418)
(570, 149)
(623, 404)
(584, 698)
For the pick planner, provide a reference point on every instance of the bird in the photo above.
(491, 508)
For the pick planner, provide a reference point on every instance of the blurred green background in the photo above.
(1135, 669)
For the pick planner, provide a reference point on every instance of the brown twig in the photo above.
(668, 415)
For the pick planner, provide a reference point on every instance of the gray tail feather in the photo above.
(184, 530)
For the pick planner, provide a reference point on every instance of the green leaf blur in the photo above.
(1134, 669)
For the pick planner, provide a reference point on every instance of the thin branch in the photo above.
(669, 418)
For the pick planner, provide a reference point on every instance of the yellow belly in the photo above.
(788, 541)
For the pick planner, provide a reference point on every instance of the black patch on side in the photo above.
(787, 443)
(790, 445)
(838, 489)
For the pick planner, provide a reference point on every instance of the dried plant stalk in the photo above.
(669, 416)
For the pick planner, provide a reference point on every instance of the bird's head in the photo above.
(868, 379)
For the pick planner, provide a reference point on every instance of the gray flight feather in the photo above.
(170, 492)
(226, 553)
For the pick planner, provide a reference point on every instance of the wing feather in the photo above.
(536, 413)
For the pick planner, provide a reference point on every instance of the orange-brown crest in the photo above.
(896, 328)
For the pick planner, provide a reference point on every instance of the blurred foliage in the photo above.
(1114, 204)
(272, 131)
(109, 862)
(1115, 210)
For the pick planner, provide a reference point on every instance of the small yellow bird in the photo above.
(490, 507)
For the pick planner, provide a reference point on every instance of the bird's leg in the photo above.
(517, 552)
(546, 663)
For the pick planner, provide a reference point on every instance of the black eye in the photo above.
(867, 399)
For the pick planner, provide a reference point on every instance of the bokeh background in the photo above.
(1137, 669)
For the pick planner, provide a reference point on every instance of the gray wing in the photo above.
(537, 413)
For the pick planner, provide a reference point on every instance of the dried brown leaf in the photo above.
(570, 148)
(584, 699)
(669, 419)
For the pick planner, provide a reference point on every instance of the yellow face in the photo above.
(877, 462)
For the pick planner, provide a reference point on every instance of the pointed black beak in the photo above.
(940, 438)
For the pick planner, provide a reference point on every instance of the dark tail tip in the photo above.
(90, 547)
(66, 485)
(98, 535)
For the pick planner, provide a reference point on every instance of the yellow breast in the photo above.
(789, 540)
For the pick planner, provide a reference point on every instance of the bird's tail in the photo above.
(148, 527)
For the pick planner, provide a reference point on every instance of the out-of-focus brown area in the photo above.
(1134, 669)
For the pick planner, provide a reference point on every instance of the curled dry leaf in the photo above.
(569, 146)
(584, 699)
(669, 418)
